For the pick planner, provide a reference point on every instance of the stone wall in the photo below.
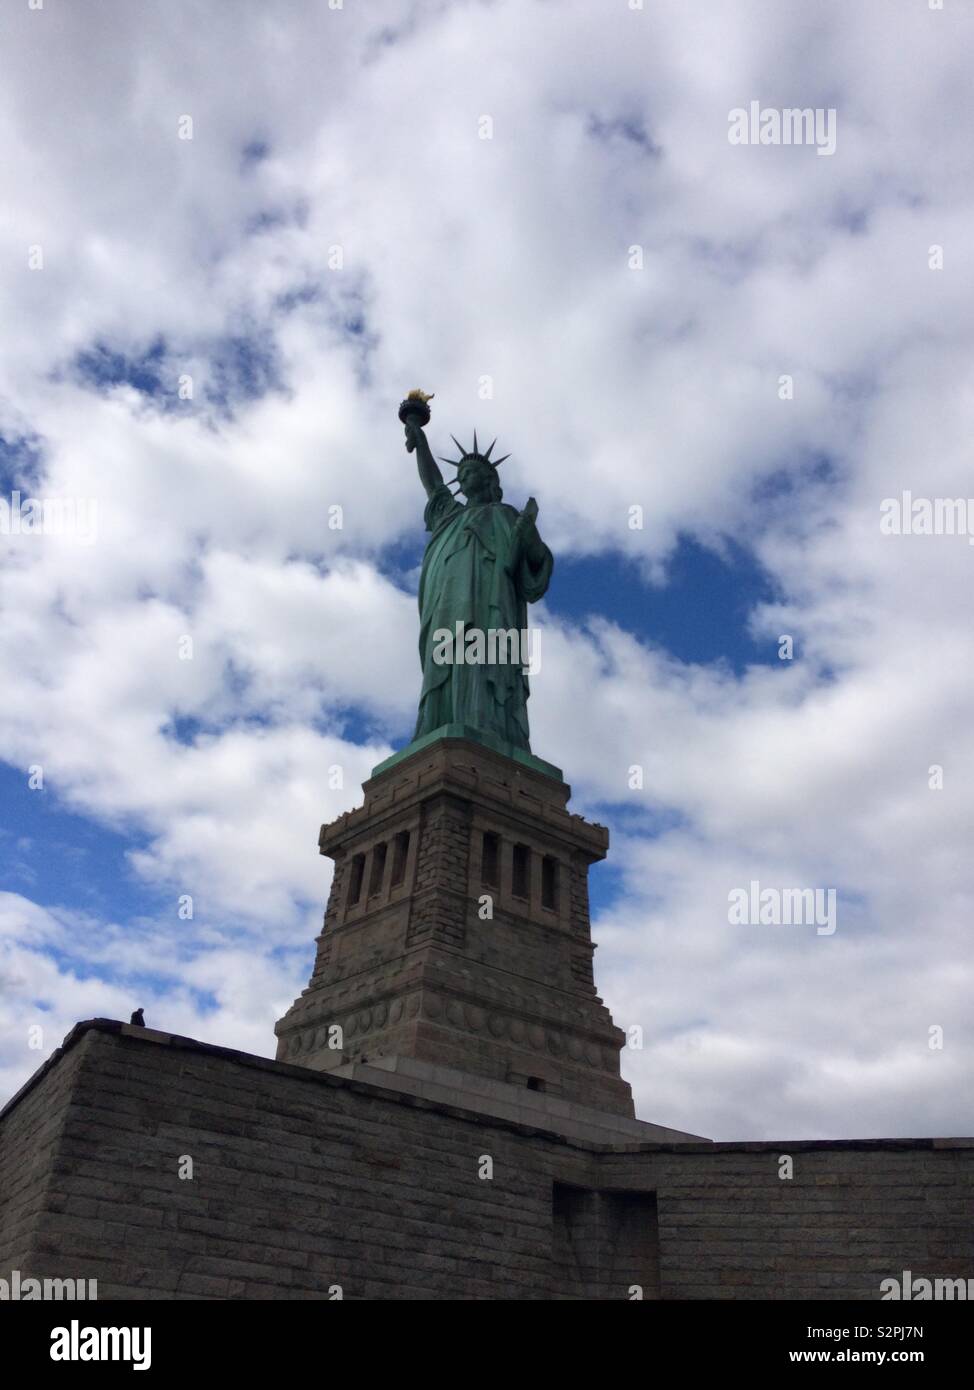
(30, 1134)
(304, 1181)
(852, 1214)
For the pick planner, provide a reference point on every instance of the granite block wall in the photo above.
(304, 1184)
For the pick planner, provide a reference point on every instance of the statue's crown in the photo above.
(474, 454)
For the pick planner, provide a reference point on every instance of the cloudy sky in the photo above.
(231, 237)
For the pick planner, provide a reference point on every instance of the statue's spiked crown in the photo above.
(474, 455)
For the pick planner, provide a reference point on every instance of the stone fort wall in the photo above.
(304, 1182)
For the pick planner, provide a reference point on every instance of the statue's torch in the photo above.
(415, 407)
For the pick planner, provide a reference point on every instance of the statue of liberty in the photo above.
(484, 563)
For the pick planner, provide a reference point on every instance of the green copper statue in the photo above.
(484, 563)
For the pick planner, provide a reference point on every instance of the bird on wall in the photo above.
(138, 1019)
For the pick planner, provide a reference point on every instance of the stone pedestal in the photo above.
(457, 931)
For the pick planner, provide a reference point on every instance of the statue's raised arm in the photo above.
(414, 414)
(429, 470)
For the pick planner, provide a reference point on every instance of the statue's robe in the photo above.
(465, 579)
